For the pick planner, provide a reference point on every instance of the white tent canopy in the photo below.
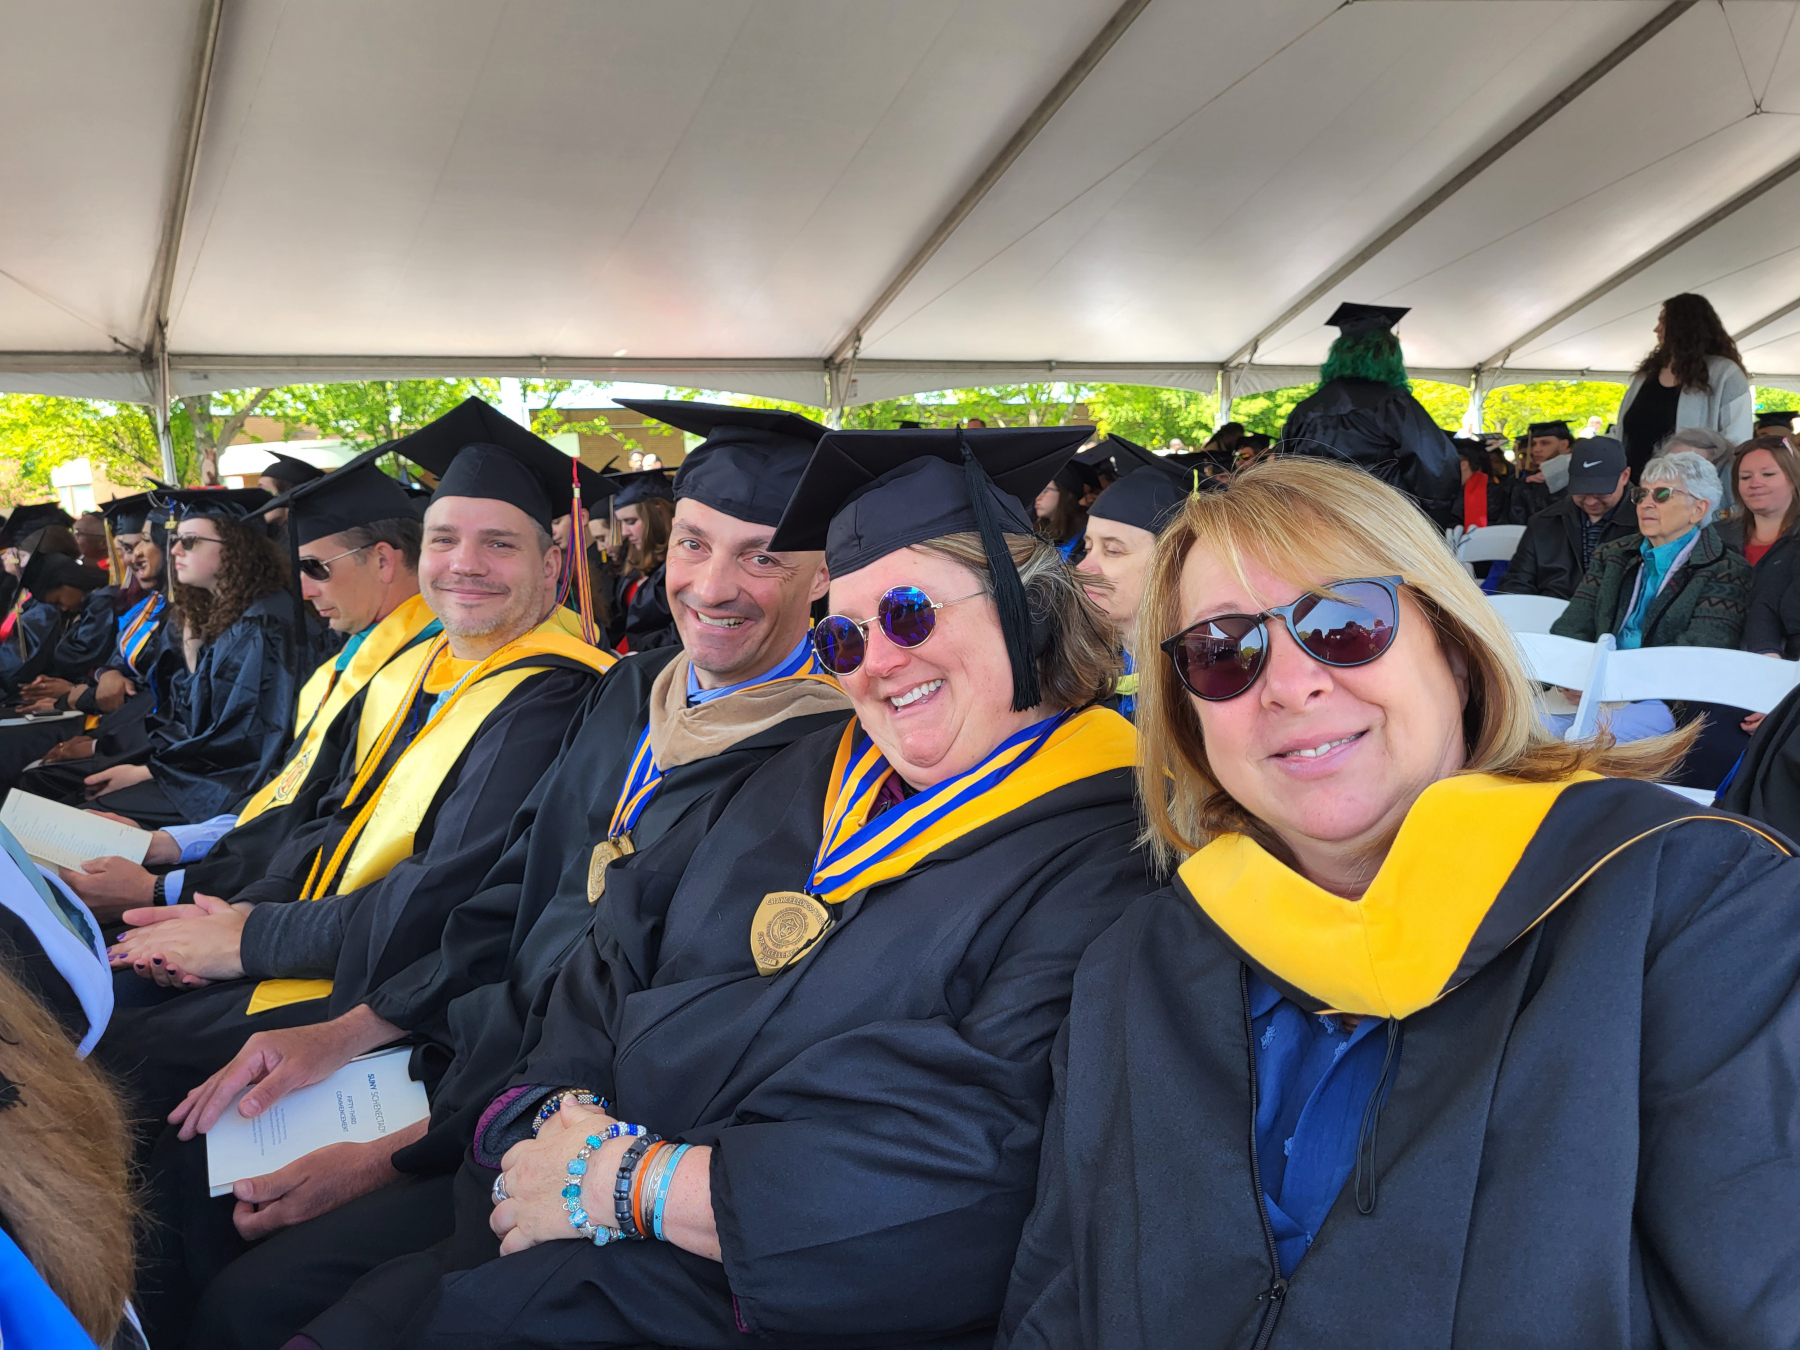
(846, 200)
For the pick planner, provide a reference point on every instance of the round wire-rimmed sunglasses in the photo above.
(1350, 624)
(906, 614)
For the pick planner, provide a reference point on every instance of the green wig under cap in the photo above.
(1366, 356)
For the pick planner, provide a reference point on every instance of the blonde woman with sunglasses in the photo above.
(1447, 1032)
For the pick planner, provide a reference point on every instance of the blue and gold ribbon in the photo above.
(138, 626)
(857, 852)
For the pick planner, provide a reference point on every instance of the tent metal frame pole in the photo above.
(160, 403)
(1468, 174)
(1718, 215)
(181, 190)
(1059, 94)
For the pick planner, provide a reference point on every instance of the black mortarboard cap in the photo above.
(356, 494)
(30, 518)
(45, 572)
(478, 451)
(127, 515)
(1076, 478)
(1552, 429)
(293, 472)
(867, 494)
(1099, 456)
(1352, 319)
(628, 489)
(1149, 491)
(1777, 417)
(232, 503)
(750, 461)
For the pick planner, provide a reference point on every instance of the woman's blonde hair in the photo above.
(1312, 521)
(65, 1189)
(1078, 661)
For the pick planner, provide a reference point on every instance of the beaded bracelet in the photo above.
(663, 1180)
(579, 1219)
(622, 1186)
(553, 1104)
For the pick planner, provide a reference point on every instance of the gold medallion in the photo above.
(786, 925)
(606, 852)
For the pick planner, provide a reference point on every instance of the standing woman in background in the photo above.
(1693, 377)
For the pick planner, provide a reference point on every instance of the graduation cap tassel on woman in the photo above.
(1009, 591)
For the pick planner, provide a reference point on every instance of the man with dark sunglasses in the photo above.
(664, 741)
(360, 529)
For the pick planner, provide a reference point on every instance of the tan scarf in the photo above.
(680, 734)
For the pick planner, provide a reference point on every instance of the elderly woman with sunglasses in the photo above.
(1447, 1033)
(1678, 585)
(790, 1089)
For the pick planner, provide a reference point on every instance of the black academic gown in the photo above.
(874, 1110)
(1384, 429)
(243, 854)
(238, 712)
(1766, 785)
(36, 621)
(501, 949)
(644, 621)
(1589, 1144)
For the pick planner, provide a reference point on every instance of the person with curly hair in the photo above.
(1693, 377)
(236, 621)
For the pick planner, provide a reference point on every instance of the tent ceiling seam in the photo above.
(1473, 170)
(1016, 145)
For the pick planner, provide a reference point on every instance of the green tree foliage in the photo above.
(1267, 412)
(1514, 407)
(371, 411)
(39, 432)
(1152, 416)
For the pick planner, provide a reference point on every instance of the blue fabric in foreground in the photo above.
(31, 1316)
(1313, 1080)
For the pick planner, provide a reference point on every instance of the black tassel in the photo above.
(1009, 591)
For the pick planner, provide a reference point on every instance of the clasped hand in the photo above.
(536, 1170)
(183, 945)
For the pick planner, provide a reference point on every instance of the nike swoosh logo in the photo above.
(1589, 463)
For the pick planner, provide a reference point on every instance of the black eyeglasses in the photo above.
(319, 569)
(1351, 624)
(906, 614)
(187, 543)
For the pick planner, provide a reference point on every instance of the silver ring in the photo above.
(500, 1189)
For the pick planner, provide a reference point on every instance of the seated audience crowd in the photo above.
(751, 865)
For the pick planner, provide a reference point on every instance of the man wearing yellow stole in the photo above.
(358, 541)
(459, 731)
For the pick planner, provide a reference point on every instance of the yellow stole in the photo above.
(329, 691)
(1400, 947)
(389, 811)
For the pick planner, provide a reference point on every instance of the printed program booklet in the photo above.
(366, 1099)
(66, 836)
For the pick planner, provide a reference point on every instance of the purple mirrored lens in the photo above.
(1351, 628)
(907, 616)
(1220, 659)
(839, 644)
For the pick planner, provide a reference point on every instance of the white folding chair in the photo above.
(1529, 613)
(1491, 543)
(1695, 675)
